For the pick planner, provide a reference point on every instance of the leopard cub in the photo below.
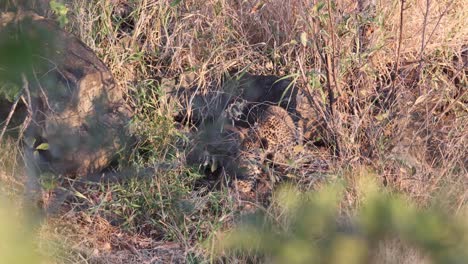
(273, 132)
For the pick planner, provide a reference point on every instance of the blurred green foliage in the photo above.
(61, 11)
(17, 240)
(9, 90)
(23, 47)
(309, 228)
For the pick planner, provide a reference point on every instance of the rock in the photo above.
(78, 109)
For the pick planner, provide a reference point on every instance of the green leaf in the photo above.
(214, 165)
(80, 195)
(61, 11)
(317, 7)
(175, 3)
(304, 39)
(381, 117)
(43, 146)
(9, 90)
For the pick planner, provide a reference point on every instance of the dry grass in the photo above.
(400, 105)
(11, 172)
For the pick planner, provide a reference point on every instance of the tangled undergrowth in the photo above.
(388, 85)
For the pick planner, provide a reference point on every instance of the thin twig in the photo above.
(333, 46)
(13, 107)
(331, 74)
(398, 51)
(438, 23)
(44, 95)
(423, 40)
(328, 118)
(400, 39)
(28, 104)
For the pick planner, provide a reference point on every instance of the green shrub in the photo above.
(308, 228)
(17, 240)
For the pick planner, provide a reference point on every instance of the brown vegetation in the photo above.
(381, 86)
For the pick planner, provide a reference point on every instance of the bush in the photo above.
(17, 239)
(310, 228)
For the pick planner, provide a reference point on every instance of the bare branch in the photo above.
(13, 107)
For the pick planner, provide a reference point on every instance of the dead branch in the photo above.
(13, 107)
